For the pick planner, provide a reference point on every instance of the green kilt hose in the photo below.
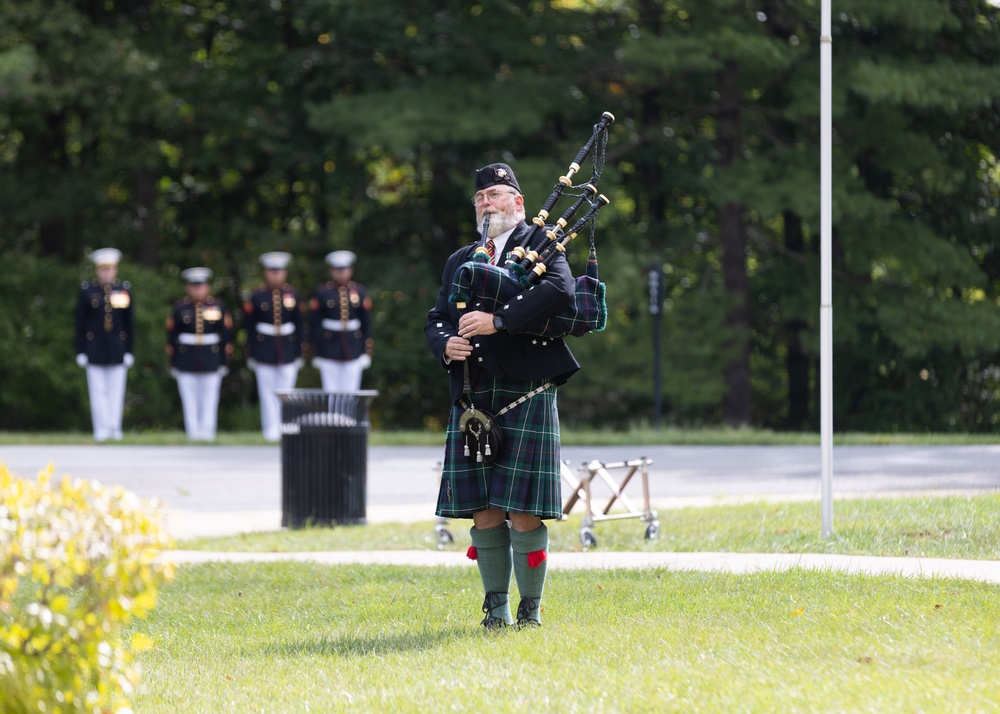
(525, 478)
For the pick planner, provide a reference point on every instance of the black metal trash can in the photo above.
(324, 456)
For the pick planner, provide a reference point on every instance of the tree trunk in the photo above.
(796, 361)
(733, 238)
(145, 208)
(53, 238)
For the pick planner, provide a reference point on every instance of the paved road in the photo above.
(209, 489)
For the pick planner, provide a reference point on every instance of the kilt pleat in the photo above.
(525, 478)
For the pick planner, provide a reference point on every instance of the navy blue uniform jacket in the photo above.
(279, 312)
(512, 353)
(104, 322)
(346, 304)
(207, 322)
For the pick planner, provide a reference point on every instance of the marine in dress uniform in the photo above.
(199, 334)
(273, 321)
(104, 340)
(340, 324)
(505, 364)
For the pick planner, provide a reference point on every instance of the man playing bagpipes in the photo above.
(503, 384)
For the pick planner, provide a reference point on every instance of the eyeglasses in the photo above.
(493, 194)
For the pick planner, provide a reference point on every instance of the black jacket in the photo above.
(273, 321)
(206, 328)
(348, 305)
(104, 322)
(512, 353)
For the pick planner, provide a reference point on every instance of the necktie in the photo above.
(492, 250)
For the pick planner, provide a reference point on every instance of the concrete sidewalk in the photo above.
(188, 524)
(980, 570)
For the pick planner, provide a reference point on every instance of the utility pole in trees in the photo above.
(656, 310)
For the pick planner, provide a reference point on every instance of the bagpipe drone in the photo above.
(485, 287)
(488, 286)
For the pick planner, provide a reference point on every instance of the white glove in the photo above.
(81, 360)
(128, 359)
(366, 361)
(223, 371)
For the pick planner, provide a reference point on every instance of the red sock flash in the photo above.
(536, 558)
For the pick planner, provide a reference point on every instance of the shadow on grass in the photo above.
(360, 645)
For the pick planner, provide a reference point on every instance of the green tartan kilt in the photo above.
(526, 477)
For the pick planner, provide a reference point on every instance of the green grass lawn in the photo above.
(300, 637)
(303, 637)
(943, 527)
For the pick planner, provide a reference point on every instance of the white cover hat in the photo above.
(196, 275)
(275, 260)
(341, 259)
(106, 256)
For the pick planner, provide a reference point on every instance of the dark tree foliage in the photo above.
(206, 132)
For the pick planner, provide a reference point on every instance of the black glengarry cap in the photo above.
(496, 175)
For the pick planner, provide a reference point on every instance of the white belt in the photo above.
(267, 328)
(340, 326)
(189, 338)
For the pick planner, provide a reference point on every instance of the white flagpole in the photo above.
(826, 289)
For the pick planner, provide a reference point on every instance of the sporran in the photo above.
(481, 435)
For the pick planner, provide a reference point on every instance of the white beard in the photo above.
(501, 221)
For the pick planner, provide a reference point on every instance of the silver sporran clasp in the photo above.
(481, 435)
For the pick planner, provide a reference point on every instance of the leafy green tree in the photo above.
(914, 122)
(206, 132)
(79, 117)
(444, 92)
(909, 136)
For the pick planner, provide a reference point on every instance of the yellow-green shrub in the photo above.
(77, 563)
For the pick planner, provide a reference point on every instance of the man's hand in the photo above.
(476, 323)
(457, 349)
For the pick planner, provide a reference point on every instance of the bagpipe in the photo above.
(485, 286)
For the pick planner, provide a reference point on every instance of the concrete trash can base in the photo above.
(324, 457)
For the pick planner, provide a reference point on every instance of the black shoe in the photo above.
(524, 610)
(491, 621)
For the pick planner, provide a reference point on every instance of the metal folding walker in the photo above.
(581, 489)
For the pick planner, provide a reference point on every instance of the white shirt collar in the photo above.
(500, 243)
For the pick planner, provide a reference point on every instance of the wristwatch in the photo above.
(498, 323)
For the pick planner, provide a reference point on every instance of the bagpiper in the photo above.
(507, 378)
(104, 341)
(199, 334)
(340, 324)
(273, 321)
